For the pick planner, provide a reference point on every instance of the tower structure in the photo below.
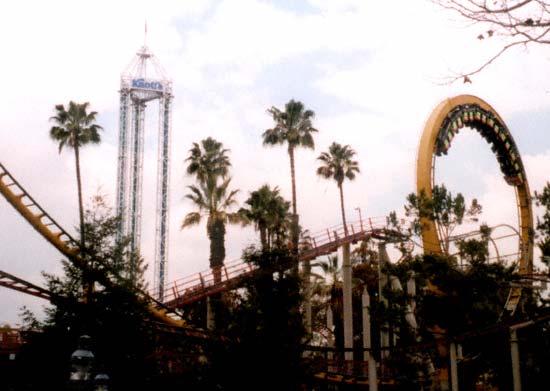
(143, 81)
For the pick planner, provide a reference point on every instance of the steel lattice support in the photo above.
(136, 174)
(122, 165)
(138, 88)
(163, 181)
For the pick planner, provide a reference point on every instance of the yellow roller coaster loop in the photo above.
(444, 122)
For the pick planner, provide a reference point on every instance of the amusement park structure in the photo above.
(137, 89)
(143, 81)
(444, 123)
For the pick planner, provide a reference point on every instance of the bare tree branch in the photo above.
(517, 22)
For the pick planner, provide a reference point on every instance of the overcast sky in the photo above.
(367, 68)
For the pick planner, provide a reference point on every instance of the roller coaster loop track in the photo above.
(445, 121)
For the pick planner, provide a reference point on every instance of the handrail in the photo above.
(194, 287)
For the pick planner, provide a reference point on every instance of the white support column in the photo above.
(454, 369)
(347, 297)
(382, 281)
(514, 350)
(367, 343)
(330, 341)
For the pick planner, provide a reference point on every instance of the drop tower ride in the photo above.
(144, 81)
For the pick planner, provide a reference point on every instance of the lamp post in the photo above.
(101, 382)
(82, 361)
(360, 217)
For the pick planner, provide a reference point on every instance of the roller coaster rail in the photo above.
(46, 226)
(195, 287)
(39, 219)
(12, 282)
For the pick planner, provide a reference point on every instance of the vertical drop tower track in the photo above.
(144, 80)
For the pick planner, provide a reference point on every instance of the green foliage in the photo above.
(294, 128)
(338, 164)
(269, 212)
(475, 251)
(208, 160)
(117, 318)
(446, 210)
(209, 163)
(467, 303)
(543, 223)
(75, 127)
(266, 328)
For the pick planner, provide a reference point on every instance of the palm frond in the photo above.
(192, 218)
(236, 218)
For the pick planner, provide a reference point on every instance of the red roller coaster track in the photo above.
(200, 285)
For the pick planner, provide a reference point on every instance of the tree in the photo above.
(331, 271)
(266, 328)
(294, 128)
(209, 163)
(446, 210)
(475, 251)
(543, 223)
(75, 127)
(208, 160)
(117, 319)
(338, 164)
(518, 22)
(213, 200)
(268, 210)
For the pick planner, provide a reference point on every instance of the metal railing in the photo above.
(205, 283)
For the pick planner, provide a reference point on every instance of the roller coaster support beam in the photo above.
(348, 311)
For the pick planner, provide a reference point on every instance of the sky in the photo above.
(370, 70)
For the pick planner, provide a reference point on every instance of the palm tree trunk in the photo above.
(263, 237)
(340, 187)
(293, 180)
(88, 283)
(295, 232)
(80, 203)
(216, 233)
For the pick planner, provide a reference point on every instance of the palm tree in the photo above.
(75, 127)
(208, 160)
(268, 210)
(209, 163)
(331, 271)
(338, 164)
(213, 200)
(293, 127)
